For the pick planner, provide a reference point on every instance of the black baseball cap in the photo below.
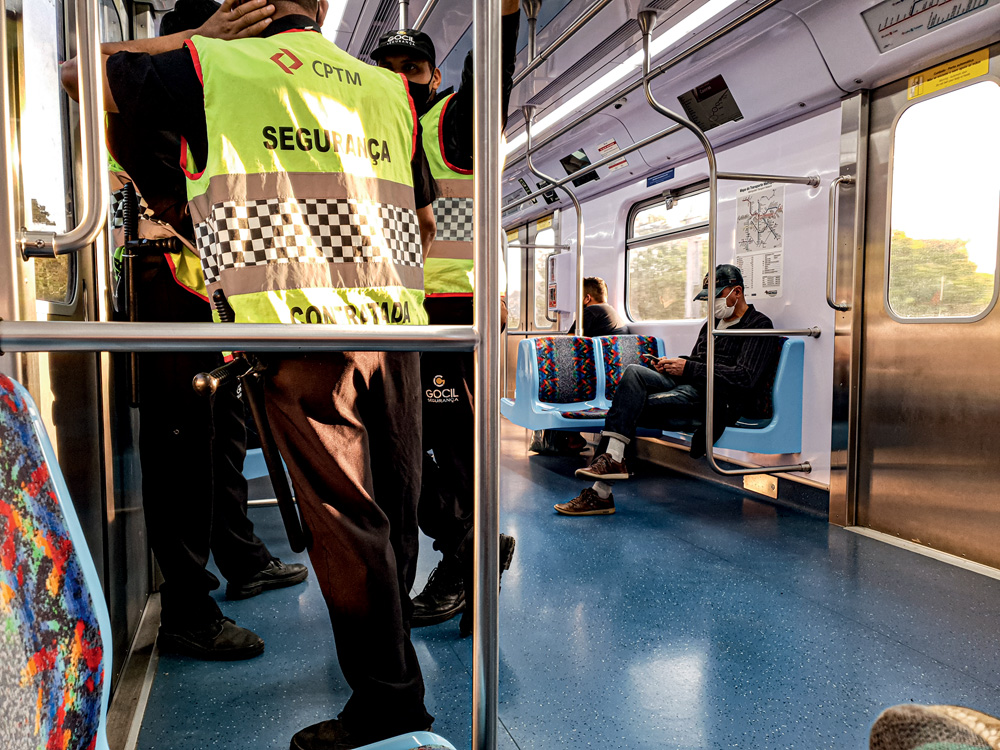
(403, 41)
(725, 275)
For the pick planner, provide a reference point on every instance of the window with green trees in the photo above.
(945, 205)
(667, 256)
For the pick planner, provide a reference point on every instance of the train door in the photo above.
(928, 467)
(74, 390)
(529, 247)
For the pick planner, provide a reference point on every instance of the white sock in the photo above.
(603, 490)
(616, 448)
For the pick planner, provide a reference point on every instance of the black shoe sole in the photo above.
(178, 644)
(247, 590)
(438, 617)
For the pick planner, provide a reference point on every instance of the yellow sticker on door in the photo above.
(948, 74)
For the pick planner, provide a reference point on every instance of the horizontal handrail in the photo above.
(810, 180)
(93, 193)
(571, 31)
(659, 70)
(813, 332)
(550, 332)
(87, 336)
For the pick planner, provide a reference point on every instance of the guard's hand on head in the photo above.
(237, 20)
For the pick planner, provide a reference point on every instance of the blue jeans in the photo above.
(654, 399)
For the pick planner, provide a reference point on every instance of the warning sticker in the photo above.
(948, 74)
(608, 148)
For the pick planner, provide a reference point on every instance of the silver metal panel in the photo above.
(848, 235)
(930, 396)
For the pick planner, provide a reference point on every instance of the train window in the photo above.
(514, 273)
(42, 173)
(666, 257)
(944, 216)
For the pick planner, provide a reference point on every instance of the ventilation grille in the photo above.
(569, 77)
(386, 17)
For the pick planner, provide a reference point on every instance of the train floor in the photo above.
(696, 617)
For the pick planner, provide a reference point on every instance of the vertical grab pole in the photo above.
(529, 115)
(647, 19)
(486, 235)
(531, 8)
(11, 293)
(404, 13)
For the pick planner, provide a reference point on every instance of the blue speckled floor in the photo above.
(693, 618)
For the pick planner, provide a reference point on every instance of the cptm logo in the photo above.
(295, 64)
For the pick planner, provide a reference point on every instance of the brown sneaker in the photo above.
(604, 467)
(589, 503)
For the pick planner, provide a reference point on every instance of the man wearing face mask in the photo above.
(669, 392)
(446, 499)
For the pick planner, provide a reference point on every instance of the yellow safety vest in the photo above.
(448, 270)
(304, 211)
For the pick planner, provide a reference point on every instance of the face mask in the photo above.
(421, 93)
(722, 310)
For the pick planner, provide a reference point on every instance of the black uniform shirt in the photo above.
(457, 126)
(160, 97)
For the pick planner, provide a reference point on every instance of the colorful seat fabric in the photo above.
(566, 369)
(54, 625)
(621, 351)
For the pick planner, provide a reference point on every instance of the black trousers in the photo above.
(191, 452)
(348, 426)
(445, 511)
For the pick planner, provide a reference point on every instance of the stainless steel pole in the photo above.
(536, 59)
(529, 113)
(80, 336)
(424, 13)
(404, 13)
(93, 193)
(11, 293)
(660, 69)
(647, 20)
(531, 8)
(810, 180)
(486, 234)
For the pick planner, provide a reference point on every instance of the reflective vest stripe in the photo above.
(304, 210)
(448, 269)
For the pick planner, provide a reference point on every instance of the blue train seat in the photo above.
(55, 633)
(782, 433)
(557, 384)
(412, 741)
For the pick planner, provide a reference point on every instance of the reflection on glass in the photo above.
(684, 212)
(514, 285)
(945, 205)
(544, 237)
(664, 278)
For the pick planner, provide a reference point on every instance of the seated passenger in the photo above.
(744, 369)
(599, 318)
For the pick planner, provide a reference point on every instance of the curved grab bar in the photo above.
(529, 113)
(831, 243)
(647, 20)
(94, 195)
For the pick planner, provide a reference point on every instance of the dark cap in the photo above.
(725, 275)
(403, 41)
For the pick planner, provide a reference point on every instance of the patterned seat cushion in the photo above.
(566, 370)
(586, 414)
(51, 653)
(619, 353)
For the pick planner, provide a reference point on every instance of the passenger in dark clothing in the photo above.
(670, 392)
(599, 318)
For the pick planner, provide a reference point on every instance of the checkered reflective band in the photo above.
(454, 219)
(311, 230)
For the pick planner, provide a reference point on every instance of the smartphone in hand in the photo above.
(649, 359)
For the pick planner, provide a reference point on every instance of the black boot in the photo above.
(443, 596)
(506, 555)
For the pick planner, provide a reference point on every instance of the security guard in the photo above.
(446, 501)
(298, 159)
(191, 451)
